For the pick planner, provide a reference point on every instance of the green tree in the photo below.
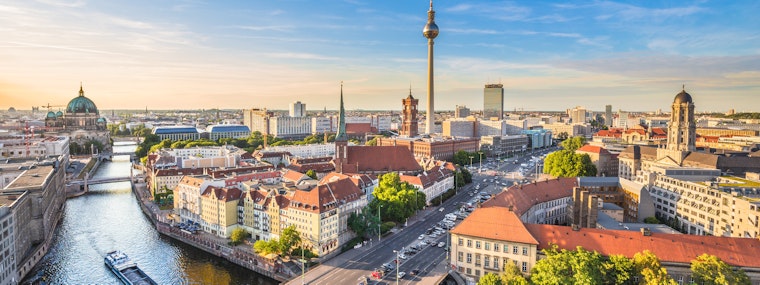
(562, 136)
(648, 266)
(289, 238)
(364, 223)
(573, 143)
(651, 220)
(512, 275)
(618, 270)
(311, 173)
(460, 179)
(568, 267)
(399, 200)
(565, 163)
(490, 279)
(710, 270)
(466, 175)
(238, 235)
(265, 248)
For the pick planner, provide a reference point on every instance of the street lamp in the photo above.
(398, 264)
(303, 266)
(480, 167)
(470, 160)
(379, 222)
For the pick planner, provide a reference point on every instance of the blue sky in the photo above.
(549, 55)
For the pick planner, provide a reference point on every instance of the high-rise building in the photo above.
(493, 101)
(409, 125)
(430, 31)
(608, 115)
(578, 115)
(297, 109)
(461, 112)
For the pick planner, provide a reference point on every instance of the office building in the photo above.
(493, 102)
(177, 133)
(578, 115)
(461, 112)
(231, 131)
(297, 109)
(608, 115)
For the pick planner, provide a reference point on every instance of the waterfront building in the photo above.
(177, 133)
(25, 147)
(480, 237)
(219, 210)
(231, 131)
(430, 31)
(409, 114)
(433, 182)
(493, 102)
(80, 121)
(606, 163)
(540, 202)
(297, 109)
(436, 148)
(461, 112)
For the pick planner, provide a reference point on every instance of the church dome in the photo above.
(59, 114)
(683, 97)
(51, 115)
(101, 120)
(81, 104)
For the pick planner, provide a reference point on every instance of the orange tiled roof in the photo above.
(380, 159)
(677, 248)
(495, 223)
(223, 194)
(522, 197)
(325, 197)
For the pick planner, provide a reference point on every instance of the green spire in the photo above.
(341, 135)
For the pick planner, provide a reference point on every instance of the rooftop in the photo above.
(32, 178)
(481, 223)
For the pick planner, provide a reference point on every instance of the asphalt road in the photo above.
(371, 257)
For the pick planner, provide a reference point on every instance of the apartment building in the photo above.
(433, 182)
(541, 202)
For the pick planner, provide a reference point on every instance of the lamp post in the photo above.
(480, 167)
(379, 222)
(471, 160)
(398, 264)
(303, 266)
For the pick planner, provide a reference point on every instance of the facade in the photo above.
(634, 198)
(503, 145)
(177, 133)
(219, 211)
(289, 127)
(721, 132)
(682, 130)
(539, 138)
(606, 163)
(541, 202)
(432, 182)
(493, 101)
(305, 151)
(436, 148)
(257, 120)
(578, 115)
(216, 132)
(461, 112)
(297, 109)
(409, 114)
(490, 128)
(17, 147)
(514, 127)
(608, 115)
(458, 128)
(81, 122)
(321, 125)
(8, 274)
(482, 244)
(581, 129)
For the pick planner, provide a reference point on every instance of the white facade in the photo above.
(8, 274)
(187, 196)
(290, 126)
(309, 150)
(297, 109)
(17, 147)
(320, 125)
(549, 212)
(491, 128)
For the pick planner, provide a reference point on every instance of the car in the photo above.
(423, 243)
(402, 256)
(421, 237)
(414, 272)
(401, 274)
(441, 244)
(440, 209)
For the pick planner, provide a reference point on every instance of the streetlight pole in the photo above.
(303, 267)
(398, 264)
(480, 167)
(379, 222)
(471, 160)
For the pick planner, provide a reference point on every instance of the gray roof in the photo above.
(598, 181)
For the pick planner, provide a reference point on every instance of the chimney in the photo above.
(646, 232)
(576, 227)
(511, 208)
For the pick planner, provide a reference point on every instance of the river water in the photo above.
(109, 218)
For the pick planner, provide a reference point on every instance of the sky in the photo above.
(194, 54)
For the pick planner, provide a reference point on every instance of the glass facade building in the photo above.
(493, 101)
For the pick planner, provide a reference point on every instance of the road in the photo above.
(350, 267)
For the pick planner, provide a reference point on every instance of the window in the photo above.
(477, 259)
(524, 266)
(525, 250)
(496, 262)
(488, 246)
(460, 256)
(506, 248)
(469, 243)
(514, 249)
(496, 247)
(469, 258)
(461, 241)
(486, 261)
(477, 244)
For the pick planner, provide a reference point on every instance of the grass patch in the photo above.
(87, 168)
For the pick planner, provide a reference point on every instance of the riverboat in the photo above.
(127, 271)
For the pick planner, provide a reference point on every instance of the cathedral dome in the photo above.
(81, 104)
(683, 97)
(51, 115)
(58, 114)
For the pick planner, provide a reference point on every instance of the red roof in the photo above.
(223, 194)
(593, 149)
(677, 248)
(522, 197)
(363, 159)
(325, 197)
(614, 133)
(494, 223)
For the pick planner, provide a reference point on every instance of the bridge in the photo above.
(100, 180)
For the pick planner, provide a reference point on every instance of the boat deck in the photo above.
(137, 276)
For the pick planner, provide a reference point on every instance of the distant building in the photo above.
(632, 197)
(81, 122)
(540, 202)
(461, 112)
(297, 109)
(458, 128)
(177, 133)
(606, 163)
(433, 182)
(539, 138)
(257, 120)
(608, 115)
(493, 101)
(437, 148)
(503, 145)
(578, 115)
(409, 114)
(216, 132)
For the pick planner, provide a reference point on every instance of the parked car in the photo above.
(441, 244)
(401, 274)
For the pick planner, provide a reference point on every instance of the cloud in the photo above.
(266, 28)
(71, 4)
(473, 31)
(294, 55)
(614, 10)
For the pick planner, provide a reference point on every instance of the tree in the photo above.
(710, 270)
(651, 220)
(490, 279)
(566, 163)
(618, 270)
(460, 179)
(512, 275)
(399, 200)
(568, 267)
(573, 143)
(364, 223)
(648, 266)
(466, 175)
(265, 248)
(289, 238)
(311, 173)
(562, 136)
(238, 235)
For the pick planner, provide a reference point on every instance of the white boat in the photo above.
(126, 270)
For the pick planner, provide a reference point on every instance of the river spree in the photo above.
(109, 218)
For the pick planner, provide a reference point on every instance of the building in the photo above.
(297, 109)
(409, 114)
(503, 145)
(81, 122)
(219, 210)
(216, 132)
(578, 115)
(493, 102)
(608, 115)
(721, 132)
(482, 244)
(289, 127)
(257, 120)
(539, 138)
(572, 130)
(540, 202)
(436, 148)
(305, 151)
(480, 239)
(8, 274)
(458, 128)
(634, 198)
(606, 163)
(430, 31)
(491, 128)
(25, 147)
(433, 182)
(461, 112)
(177, 133)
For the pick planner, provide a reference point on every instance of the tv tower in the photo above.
(430, 32)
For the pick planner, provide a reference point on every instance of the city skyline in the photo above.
(549, 56)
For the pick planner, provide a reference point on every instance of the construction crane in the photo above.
(48, 106)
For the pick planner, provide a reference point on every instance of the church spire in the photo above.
(341, 135)
(81, 90)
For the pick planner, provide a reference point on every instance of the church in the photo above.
(81, 122)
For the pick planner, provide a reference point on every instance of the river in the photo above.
(109, 218)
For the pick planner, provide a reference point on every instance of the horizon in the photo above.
(549, 56)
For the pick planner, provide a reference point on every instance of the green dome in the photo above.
(58, 114)
(81, 104)
(101, 120)
(51, 115)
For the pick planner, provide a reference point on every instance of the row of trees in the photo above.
(584, 267)
(395, 200)
(289, 244)
(463, 158)
(568, 163)
(85, 148)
